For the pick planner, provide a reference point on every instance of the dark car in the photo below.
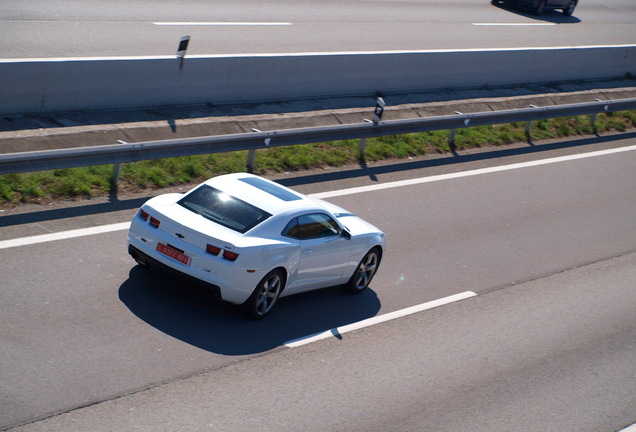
(539, 6)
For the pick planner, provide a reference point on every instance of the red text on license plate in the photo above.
(174, 254)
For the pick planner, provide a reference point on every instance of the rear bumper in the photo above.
(205, 287)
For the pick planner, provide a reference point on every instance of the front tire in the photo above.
(265, 296)
(365, 271)
(570, 9)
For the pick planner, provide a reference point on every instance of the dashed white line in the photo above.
(5, 244)
(336, 332)
(514, 24)
(220, 23)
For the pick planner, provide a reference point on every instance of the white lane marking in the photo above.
(513, 24)
(221, 23)
(302, 54)
(4, 244)
(360, 189)
(336, 332)
(63, 235)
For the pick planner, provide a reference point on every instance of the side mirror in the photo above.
(345, 234)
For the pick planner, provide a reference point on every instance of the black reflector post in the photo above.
(379, 110)
(183, 47)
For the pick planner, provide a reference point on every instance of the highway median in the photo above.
(96, 180)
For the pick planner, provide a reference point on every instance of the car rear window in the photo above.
(223, 209)
(271, 189)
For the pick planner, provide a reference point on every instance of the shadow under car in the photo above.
(220, 327)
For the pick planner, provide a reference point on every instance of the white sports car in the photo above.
(248, 241)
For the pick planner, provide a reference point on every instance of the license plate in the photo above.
(174, 254)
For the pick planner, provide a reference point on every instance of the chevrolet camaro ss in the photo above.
(249, 241)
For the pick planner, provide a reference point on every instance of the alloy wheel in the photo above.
(268, 294)
(364, 272)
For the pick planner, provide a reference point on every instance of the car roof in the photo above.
(261, 192)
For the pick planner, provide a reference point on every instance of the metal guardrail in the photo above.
(126, 152)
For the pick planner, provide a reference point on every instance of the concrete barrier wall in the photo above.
(44, 86)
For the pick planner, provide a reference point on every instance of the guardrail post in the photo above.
(593, 121)
(251, 157)
(594, 116)
(251, 154)
(529, 128)
(362, 145)
(451, 137)
(114, 178)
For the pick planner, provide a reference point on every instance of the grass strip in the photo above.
(95, 181)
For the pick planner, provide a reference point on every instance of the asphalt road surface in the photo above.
(91, 28)
(547, 343)
(554, 354)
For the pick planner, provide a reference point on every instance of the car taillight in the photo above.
(212, 249)
(143, 214)
(230, 256)
(215, 250)
(154, 222)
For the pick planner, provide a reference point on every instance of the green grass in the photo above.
(95, 181)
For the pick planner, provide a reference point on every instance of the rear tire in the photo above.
(265, 295)
(540, 8)
(364, 272)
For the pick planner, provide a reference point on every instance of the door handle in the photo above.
(307, 251)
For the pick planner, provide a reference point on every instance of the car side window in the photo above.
(292, 229)
(311, 226)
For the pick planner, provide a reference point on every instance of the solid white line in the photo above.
(221, 23)
(335, 332)
(490, 170)
(63, 235)
(514, 24)
(4, 244)
(297, 54)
